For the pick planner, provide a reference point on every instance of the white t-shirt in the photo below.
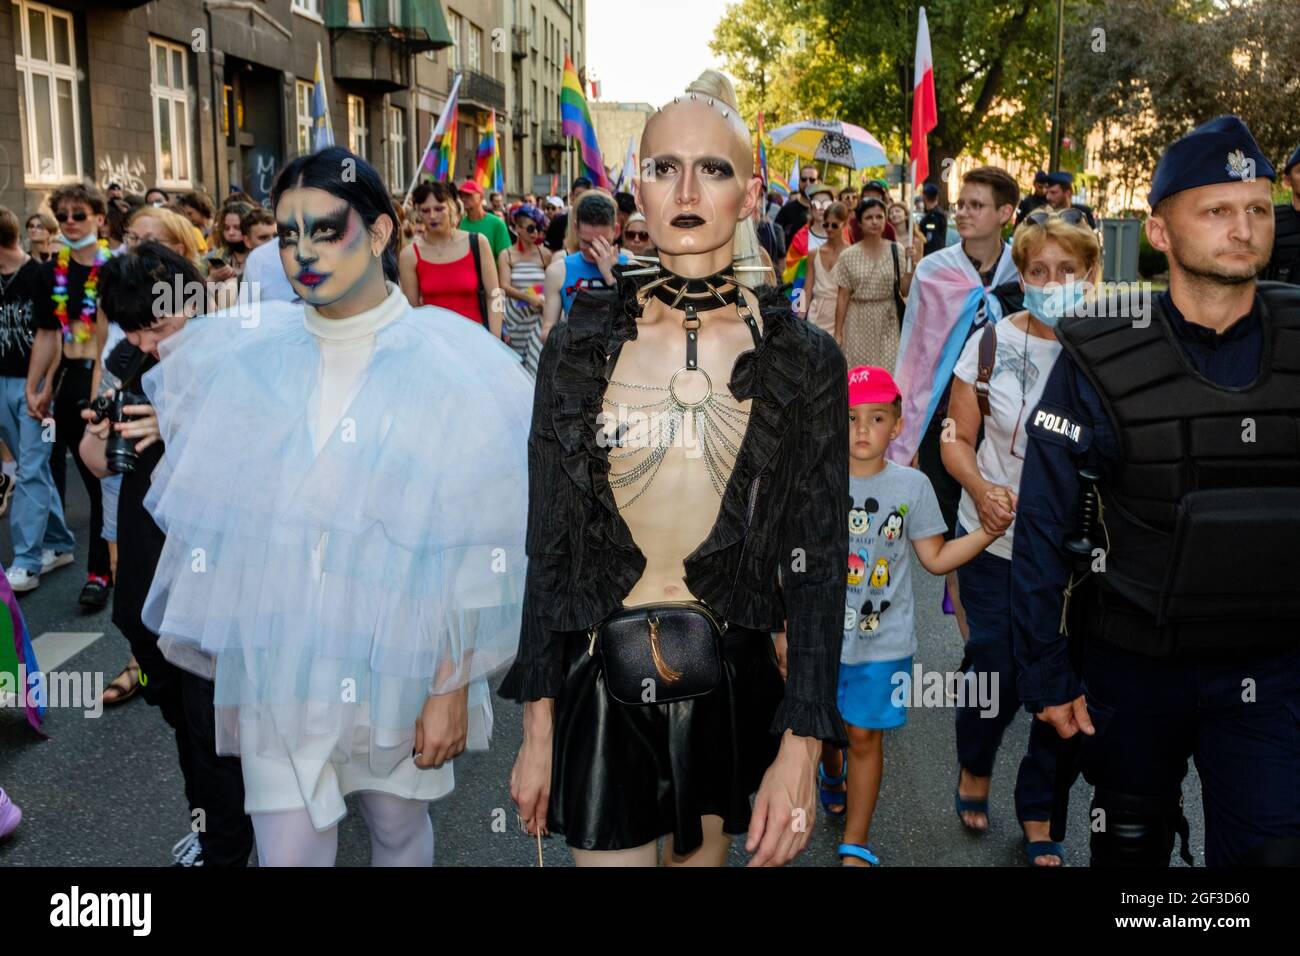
(1010, 402)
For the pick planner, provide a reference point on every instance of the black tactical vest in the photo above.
(1201, 515)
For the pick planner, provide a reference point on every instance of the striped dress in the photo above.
(523, 323)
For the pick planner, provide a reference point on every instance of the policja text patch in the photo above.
(1054, 424)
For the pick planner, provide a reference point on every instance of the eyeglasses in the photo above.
(1070, 216)
(77, 216)
(636, 236)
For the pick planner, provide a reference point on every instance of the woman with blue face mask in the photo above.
(1058, 259)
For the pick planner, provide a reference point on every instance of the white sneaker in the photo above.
(20, 579)
(188, 851)
(55, 559)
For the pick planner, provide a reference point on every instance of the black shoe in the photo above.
(95, 594)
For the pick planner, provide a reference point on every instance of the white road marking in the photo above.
(54, 647)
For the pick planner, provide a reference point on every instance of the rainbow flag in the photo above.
(19, 672)
(487, 164)
(575, 121)
(439, 159)
(760, 155)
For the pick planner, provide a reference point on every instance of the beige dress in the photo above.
(871, 325)
(821, 312)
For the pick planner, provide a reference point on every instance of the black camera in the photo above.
(119, 451)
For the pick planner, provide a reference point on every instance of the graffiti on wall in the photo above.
(128, 174)
(262, 167)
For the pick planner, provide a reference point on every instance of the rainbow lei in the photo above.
(90, 293)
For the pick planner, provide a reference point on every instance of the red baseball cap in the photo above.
(869, 385)
(469, 186)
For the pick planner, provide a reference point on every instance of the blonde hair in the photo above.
(175, 228)
(1075, 238)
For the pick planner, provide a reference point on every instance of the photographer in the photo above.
(221, 834)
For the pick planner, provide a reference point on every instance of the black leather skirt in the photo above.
(623, 776)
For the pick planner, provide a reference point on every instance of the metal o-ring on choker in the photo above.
(708, 382)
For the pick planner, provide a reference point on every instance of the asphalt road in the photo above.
(106, 790)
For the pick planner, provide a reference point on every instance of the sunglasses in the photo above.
(528, 227)
(636, 236)
(807, 179)
(1071, 216)
(75, 217)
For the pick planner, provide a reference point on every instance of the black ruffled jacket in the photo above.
(789, 484)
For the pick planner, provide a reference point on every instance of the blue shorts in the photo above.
(867, 694)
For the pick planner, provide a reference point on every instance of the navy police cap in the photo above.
(1060, 178)
(1293, 161)
(1220, 151)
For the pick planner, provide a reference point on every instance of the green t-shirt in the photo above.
(498, 236)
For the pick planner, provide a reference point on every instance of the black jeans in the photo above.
(73, 386)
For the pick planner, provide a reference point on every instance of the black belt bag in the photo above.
(659, 653)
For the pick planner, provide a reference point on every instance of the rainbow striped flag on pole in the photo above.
(439, 159)
(760, 155)
(487, 164)
(575, 121)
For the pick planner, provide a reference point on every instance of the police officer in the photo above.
(1285, 264)
(1060, 195)
(934, 222)
(1035, 200)
(1158, 522)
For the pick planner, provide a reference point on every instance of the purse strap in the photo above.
(478, 279)
(899, 306)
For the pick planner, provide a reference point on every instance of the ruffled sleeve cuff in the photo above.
(530, 680)
(810, 718)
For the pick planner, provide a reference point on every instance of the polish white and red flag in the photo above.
(925, 113)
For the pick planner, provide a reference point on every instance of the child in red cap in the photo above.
(890, 506)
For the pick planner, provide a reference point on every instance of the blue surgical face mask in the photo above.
(89, 239)
(1049, 305)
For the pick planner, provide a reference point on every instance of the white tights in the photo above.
(401, 834)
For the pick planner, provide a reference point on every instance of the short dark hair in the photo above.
(127, 284)
(158, 189)
(364, 191)
(199, 201)
(871, 202)
(118, 214)
(626, 203)
(595, 209)
(87, 194)
(1006, 191)
(8, 228)
(257, 216)
(582, 182)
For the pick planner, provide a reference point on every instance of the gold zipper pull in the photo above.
(591, 647)
(669, 675)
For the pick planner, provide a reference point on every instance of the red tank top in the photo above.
(451, 285)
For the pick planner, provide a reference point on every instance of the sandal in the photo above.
(830, 797)
(1041, 848)
(864, 853)
(964, 805)
(123, 693)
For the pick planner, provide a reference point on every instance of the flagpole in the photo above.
(433, 135)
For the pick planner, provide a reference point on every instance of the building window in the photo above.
(47, 92)
(304, 91)
(453, 51)
(311, 7)
(474, 49)
(396, 148)
(358, 135)
(169, 86)
(356, 13)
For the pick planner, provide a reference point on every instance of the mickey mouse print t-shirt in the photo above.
(887, 512)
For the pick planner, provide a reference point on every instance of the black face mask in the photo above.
(239, 246)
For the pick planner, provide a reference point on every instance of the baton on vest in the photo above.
(1080, 545)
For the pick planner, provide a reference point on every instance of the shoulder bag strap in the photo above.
(899, 305)
(478, 278)
(987, 357)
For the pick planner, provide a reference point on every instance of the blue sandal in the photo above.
(964, 805)
(864, 853)
(831, 797)
(1043, 848)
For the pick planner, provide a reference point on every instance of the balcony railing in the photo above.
(479, 89)
(552, 135)
(519, 43)
(521, 123)
(415, 25)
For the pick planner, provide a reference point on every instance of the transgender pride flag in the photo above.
(575, 121)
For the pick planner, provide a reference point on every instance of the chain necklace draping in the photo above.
(715, 423)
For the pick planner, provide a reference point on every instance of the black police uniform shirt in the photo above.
(1087, 214)
(1069, 427)
(934, 226)
(19, 292)
(1028, 205)
(1284, 265)
(139, 539)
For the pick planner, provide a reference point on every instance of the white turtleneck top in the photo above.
(345, 349)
